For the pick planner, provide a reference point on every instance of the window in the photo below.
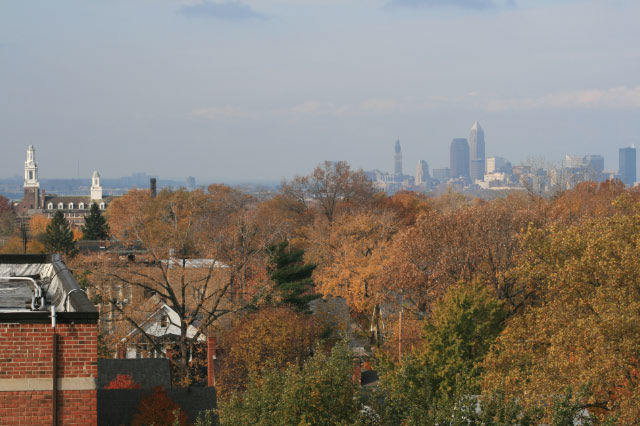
(164, 321)
(61, 206)
(81, 206)
(50, 206)
(70, 206)
(101, 206)
(30, 175)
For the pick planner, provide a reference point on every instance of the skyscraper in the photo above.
(459, 158)
(397, 160)
(476, 152)
(627, 167)
(422, 172)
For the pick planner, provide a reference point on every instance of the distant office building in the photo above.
(422, 172)
(442, 175)
(627, 165)
(572, 162)
(397, 160)
(495, 164)
(459, 158)
(594, 163)
(476, 152)
(191, 183)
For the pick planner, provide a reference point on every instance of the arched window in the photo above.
(70, 206)
(50, 206)
(61, 206)
(81, 206)
(101, 206)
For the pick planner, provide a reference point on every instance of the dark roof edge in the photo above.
(21, 259)
(44, 317)
(77, 299)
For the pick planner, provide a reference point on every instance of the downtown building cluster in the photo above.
(471, 170)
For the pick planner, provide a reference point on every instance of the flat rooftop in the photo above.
(30, 285)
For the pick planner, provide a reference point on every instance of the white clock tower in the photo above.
(31, 169)
(96, 188)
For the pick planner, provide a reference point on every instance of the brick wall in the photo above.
(26, 374)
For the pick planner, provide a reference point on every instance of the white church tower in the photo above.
(31, 169)
(96, 189)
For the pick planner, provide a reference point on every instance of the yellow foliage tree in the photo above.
(582, 320)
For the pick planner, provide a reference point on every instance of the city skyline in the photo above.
(225, 90)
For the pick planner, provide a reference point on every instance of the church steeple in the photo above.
(31, 169)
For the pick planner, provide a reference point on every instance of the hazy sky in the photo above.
(265, 89)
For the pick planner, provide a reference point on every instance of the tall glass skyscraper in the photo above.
(397, 160)
(627, 167)
(459, 158)
(476, 151)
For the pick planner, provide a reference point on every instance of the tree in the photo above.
(580, 326)
(203, 257)
(7, 217)
(95, 225)
(271, 337)
(322, 392)
(58, 236)
(331, 185)
(440, 378)
(158, 409)
(291, 275)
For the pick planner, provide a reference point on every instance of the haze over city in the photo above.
(263, 90)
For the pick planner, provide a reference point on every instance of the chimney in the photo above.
(121, 351)
(357, 372)
(152, 187)
(212, 346)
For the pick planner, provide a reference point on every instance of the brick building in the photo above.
(37, 201)
(48, 329)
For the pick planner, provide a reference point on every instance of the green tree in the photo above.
(291, 275)
(321, 393)
(95, 226)
(438, 381)
(58, 237)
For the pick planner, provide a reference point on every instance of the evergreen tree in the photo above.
(95, 226)
(291, 275)
(58, 237)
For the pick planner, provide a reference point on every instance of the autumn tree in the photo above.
(204, 258)
(350, 257)
(331, 185)
(271, 337)
(581, 323)
(58, 237)
(7, 217)
(95, 226)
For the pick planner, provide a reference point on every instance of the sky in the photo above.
(251, 90)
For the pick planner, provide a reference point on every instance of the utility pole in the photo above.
(24, 235)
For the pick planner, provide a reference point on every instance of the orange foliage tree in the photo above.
(271, 337)
(159, 409)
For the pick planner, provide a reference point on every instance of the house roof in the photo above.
(30, 285)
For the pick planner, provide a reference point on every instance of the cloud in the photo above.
(614, 98)
(229, 10)
(463, 4)
(222, 113)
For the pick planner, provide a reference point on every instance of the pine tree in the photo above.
(58, 237)
(291, 275)
(95, 226)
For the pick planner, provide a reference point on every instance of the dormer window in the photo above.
(164, 321)
(70, 206)
(61, 206)
(50, 206)
(101, 206)
(81, 206)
